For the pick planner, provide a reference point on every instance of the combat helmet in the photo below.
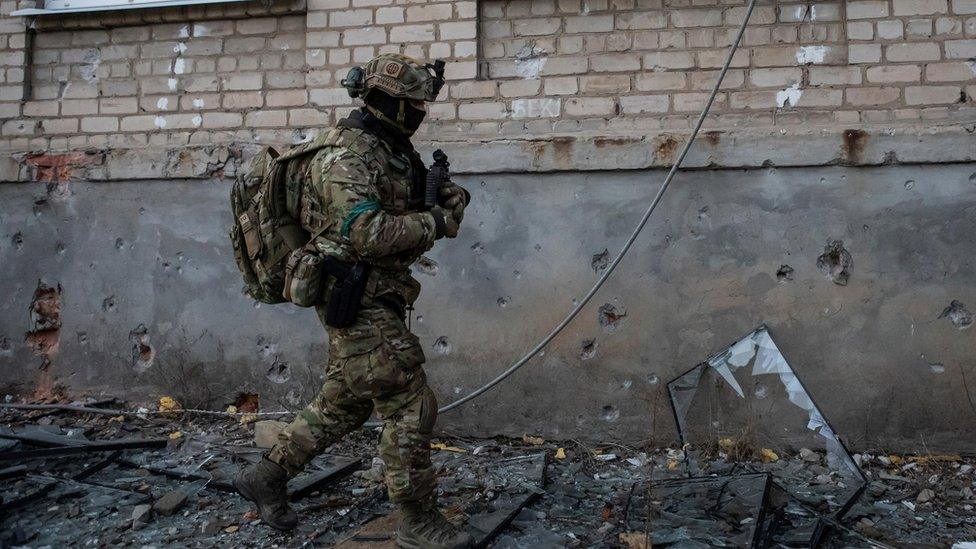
(389, 82)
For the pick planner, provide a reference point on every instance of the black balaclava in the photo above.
(396, 112)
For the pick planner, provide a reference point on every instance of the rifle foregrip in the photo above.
(434, 178)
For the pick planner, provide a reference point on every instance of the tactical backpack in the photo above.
(266, 228)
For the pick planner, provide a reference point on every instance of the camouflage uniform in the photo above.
(361, 189)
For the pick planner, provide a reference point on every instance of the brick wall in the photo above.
(648, 64)
(242, 74)
(13, 51)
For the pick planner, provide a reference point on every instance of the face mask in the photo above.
(413, 118)
(398, 113)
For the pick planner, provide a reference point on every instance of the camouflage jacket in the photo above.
(360, 191)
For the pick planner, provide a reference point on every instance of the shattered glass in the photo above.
(746, 403)
(702, 512)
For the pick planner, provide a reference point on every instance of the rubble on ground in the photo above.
(602, 495)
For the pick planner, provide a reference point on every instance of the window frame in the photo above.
(56, 7)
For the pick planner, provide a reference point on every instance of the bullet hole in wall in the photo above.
(119, 243)
(702, 225)
(143, 353)
(44, 335)
(267, 350)
(478, 248)
(82, 338)
(836, 262)
(503, 301)
(17, 241)
(910, 184)
(40, 204)
(958, 314)
(294, 397)
(600, 261)
(609, 317)
(6, 347)
(609, 413)
(587, 349)
(279, 372)
(442, 346)
(108, 304)
(784, 273)
(426, 266)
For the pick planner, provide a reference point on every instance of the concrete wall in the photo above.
(149, 297)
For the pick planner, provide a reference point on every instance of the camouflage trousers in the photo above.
(374, 364)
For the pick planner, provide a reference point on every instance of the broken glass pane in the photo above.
(701, 512)
(789, 523)
(745, 407)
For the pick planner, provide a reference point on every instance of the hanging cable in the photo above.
(630, 241)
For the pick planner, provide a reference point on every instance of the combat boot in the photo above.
(424, 527)
(265, 483)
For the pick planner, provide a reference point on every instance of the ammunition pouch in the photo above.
(346, 298)
(304, 277)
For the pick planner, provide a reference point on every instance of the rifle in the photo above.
(436, 176)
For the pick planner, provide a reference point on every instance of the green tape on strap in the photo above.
(363, 207)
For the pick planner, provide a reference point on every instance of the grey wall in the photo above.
(882, 364)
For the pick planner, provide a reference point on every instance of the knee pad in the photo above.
(428, 409)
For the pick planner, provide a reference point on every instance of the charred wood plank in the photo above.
(11, 472)
(219, 485)
(97, 466)
(338, 469)
(101, 446)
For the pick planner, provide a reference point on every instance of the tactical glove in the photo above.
(455, 198)
(445, 223)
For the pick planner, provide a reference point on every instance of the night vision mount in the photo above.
(355, 82)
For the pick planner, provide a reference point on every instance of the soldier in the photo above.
(364, 190)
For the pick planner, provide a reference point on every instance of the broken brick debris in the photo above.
(142, 513)
(170, 503)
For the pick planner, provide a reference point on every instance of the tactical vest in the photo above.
(390, 175)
